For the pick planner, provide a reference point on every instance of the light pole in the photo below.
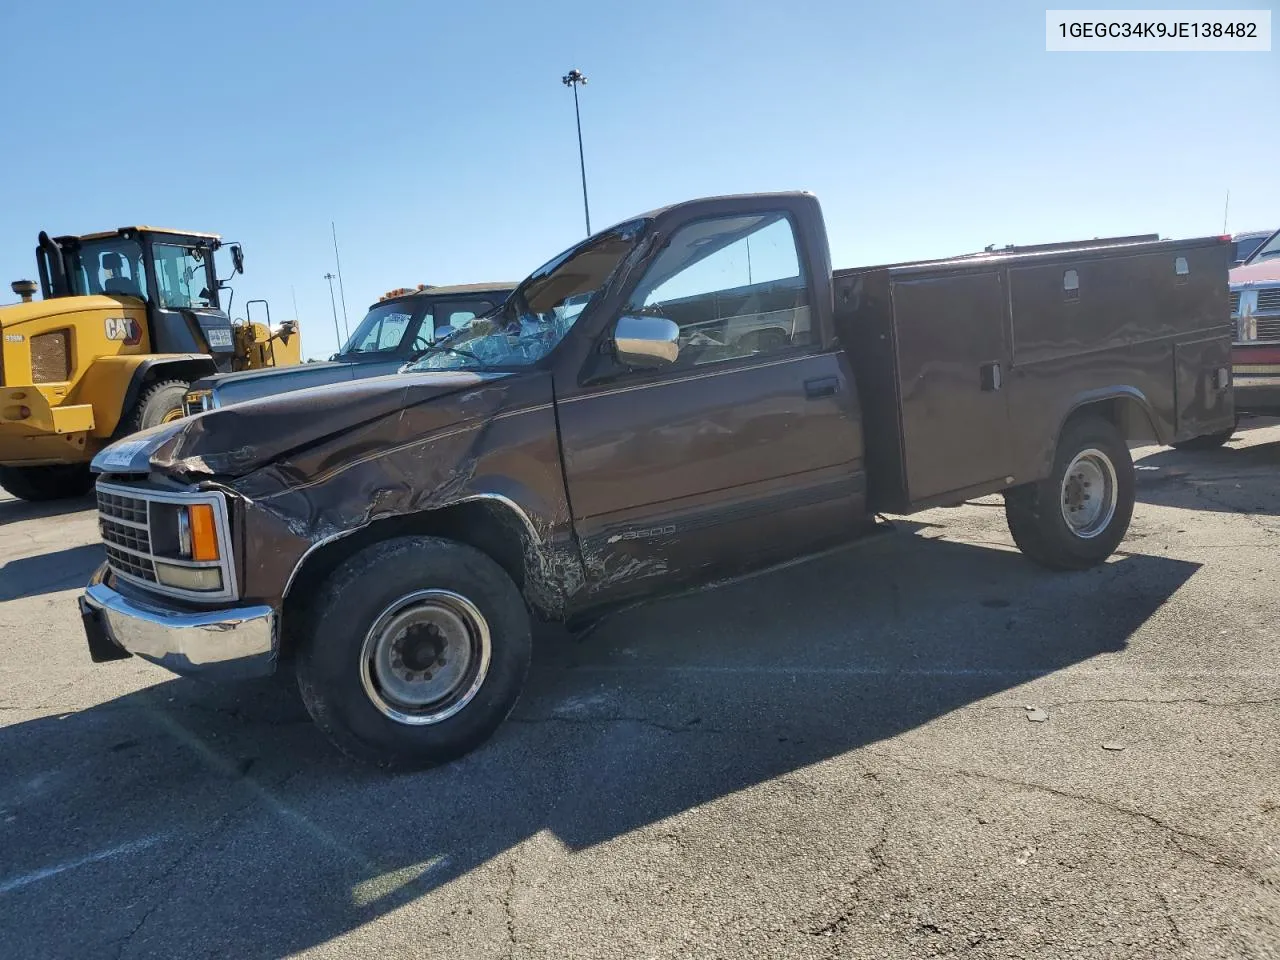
(574, 79)
(337, 335)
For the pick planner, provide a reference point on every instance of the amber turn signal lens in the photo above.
(204, 537)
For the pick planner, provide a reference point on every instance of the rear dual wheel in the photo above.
(1077, 516)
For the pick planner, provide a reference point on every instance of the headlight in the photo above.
(172, 542)
(189, 578)
(184, 538)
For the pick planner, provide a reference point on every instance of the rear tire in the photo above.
(55, 482)
(159, 403)
(1076, 517)
(417, 653)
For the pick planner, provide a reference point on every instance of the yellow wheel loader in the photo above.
(129, 318)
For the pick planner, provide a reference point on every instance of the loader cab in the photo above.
(171, 272)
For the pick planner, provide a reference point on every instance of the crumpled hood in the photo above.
(232, 441)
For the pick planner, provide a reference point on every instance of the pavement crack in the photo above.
(183, 856)
(1188, 843)
(248, 718)
(876, 865)
(508, 907)
(124, 941)
(1201, 492)
(1172, 921)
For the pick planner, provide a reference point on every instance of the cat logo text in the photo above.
(124, 328)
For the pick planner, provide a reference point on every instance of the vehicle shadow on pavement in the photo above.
(1231, 479)
(49, 572)
(234, 828)
(11, 511)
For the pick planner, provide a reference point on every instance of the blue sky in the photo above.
(440, 140)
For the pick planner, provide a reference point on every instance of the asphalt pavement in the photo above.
(920, 746)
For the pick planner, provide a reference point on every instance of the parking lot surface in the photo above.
(919, 746)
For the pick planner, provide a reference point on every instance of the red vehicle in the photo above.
(1255, 311)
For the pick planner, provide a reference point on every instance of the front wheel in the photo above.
(1077, 516)
(417, 653)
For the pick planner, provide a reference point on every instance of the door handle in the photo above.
(991, 376)
(821, 387)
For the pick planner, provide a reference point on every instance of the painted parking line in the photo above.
(17, 883)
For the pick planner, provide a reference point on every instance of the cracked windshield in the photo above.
(538, 315)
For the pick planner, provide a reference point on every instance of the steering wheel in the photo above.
(420, 343)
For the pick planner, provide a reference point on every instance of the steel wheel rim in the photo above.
(1089, 493)
(417, 675)
(172, 415)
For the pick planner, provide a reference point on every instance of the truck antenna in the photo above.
(1224, 212)
(342, 291)
(337, 334)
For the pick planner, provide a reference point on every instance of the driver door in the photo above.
(746, 450)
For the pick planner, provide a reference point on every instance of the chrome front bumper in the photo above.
(228, 644)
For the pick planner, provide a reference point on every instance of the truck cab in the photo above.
(170, 273)
(395, 331)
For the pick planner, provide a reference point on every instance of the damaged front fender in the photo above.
(494, 444)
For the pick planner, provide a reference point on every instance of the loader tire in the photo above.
(160, 403)
(54, 482)
(1076, 517)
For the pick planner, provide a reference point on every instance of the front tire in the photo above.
(54, 482)
(1076, 517)
(418, 652)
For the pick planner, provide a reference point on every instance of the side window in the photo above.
(451, 317)
(734, 285)
(382, 332)
(114, 267)
(391, 331)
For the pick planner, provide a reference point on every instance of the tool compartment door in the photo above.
(953, 361)
(1202, 373)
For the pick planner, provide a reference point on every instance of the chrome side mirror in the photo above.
(646, 343)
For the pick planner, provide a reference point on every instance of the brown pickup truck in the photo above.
(689, 395)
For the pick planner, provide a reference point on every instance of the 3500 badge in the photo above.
(124, 328)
